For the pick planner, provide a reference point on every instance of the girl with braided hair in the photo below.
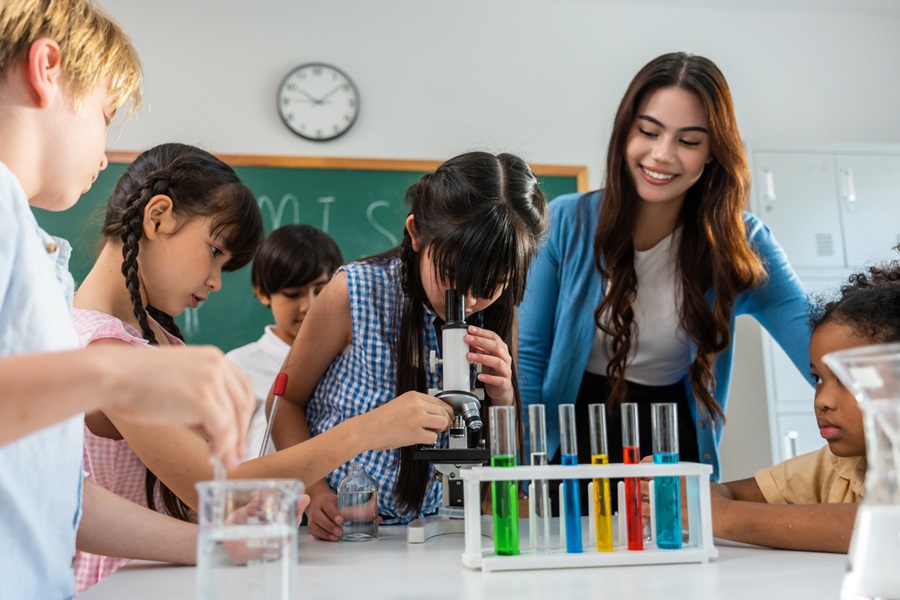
(176, 219)
(473, 225)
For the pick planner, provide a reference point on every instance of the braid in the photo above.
(132, 225)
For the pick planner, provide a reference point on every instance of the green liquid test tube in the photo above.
(602, 499)
(504, 494)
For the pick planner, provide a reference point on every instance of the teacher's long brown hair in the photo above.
(714, 254)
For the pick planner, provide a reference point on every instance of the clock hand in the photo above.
(322, 99)
(310, 96)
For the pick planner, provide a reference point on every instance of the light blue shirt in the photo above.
(364, 378)
(556, 318)
(40, 474)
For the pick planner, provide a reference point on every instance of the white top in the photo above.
(40, 474)
(262, 360)
(660, 351)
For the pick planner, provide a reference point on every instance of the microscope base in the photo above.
(420, 530)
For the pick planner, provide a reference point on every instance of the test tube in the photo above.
(540, 492)
(667, 490)
(569, 453)
(602, 499)
(504, 494)
(631, 454)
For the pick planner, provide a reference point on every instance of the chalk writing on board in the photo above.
(370, 215)
(265, 203)
(326, 201)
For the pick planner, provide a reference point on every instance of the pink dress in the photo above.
(111, 464)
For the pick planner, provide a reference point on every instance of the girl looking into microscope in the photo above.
(474, 225)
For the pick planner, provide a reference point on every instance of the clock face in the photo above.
(318, 102)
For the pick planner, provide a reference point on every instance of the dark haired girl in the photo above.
(177, 218)
(474, 225)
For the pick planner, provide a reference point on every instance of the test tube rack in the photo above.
(698, 548)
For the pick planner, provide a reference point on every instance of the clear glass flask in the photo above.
(358, 504)
(872, 373)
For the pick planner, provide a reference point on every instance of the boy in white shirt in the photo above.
(290, 269)
(65, 68)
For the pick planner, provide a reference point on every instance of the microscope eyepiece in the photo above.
(455, 307)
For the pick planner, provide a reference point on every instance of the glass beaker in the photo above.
(247, 541)
(358, 504)
(872, 373)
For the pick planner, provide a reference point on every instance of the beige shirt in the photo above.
(819, 477)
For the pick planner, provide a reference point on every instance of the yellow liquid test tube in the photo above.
(603, 507)
(602, 498)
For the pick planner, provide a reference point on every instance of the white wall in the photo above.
(538, 77)
(541, 78)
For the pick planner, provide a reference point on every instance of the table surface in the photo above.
(391, 568)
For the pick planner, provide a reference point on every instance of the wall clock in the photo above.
(318, 102)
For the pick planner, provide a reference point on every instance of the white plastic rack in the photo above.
(698, 548)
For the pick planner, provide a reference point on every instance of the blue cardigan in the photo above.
(556, 318)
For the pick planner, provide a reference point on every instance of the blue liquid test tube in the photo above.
(540, 492)
(667, 490)
(569, 452)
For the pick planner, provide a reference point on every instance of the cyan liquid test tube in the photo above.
(602, 499)
(504, 494)
(667, 490)
(540, 492)
(569, 453)
(631, 454)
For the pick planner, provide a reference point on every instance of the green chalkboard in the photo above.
(359, 202)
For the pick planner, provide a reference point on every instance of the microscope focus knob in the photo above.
(433, 361)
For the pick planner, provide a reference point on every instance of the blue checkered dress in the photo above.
(363, 378)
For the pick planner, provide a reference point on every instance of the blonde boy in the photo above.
(65, 68)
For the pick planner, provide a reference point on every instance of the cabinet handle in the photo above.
(769, 194)
(790, 444)
(848, 188)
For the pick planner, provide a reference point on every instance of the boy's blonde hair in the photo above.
(93, 48)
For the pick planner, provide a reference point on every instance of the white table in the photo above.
(391, 568)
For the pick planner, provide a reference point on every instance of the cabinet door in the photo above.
(870, 205)
(796, 196)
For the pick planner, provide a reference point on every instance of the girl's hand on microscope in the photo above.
(410, 418)
(492, 353)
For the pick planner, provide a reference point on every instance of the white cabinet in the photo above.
(796, 197)
(834, 209)
(829, 208)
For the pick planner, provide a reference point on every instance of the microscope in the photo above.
(465, 446)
